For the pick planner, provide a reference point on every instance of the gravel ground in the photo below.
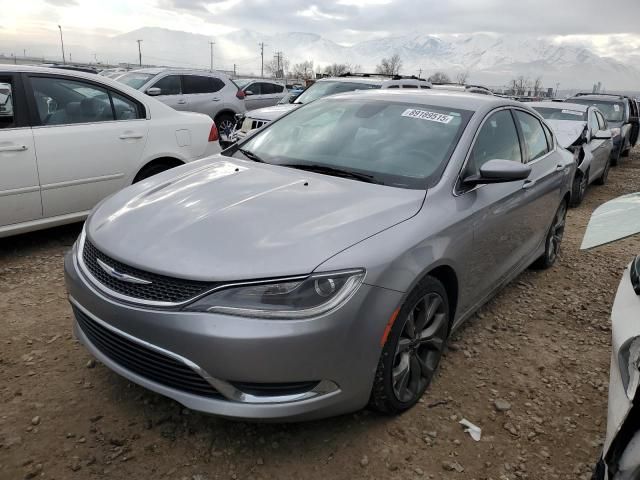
(531, 369)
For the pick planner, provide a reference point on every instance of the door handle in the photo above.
(559, 168)
(528, 184)
(181, 102)
(127, 136)
(215, 99)
(13, 148)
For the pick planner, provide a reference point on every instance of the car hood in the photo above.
(229, 219)
(271, 113)
(567, 131)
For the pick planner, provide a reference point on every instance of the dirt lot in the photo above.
(531, 369)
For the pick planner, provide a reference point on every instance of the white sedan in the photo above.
(68, 139)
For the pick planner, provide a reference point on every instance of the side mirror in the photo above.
(499, 171)
(154, 91)
(602, 135)
(248, 92)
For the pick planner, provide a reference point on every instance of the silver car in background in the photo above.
(260, 93)
(211, 93)
(583, 130)
(320, 265)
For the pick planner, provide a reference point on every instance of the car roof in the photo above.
(356, 79)
(52, 71)
(437, 98)
(159, 70)
(561, 106)
(599, 98)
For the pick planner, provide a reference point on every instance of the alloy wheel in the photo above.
(419, 347)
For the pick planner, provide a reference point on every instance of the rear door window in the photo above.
(201, 84)
(534, 136)
(7, 115)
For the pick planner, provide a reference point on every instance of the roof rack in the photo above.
(366, 75)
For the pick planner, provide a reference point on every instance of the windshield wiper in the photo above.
(250, 155)
(336, 172)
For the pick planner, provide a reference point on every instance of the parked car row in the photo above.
(68, 139)
(320, 264)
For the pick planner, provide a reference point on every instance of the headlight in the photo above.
(629, 363)
(300, 297)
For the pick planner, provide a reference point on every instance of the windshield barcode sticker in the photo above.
(426, 115)
(573, 112)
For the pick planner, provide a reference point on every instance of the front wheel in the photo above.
(553, 240)
(579, 187)
(413, 349)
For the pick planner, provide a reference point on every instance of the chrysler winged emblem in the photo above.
(123, 277)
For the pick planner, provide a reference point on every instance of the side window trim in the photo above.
(524, 148)
(34, 117)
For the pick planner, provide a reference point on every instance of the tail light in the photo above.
(240, 94)
(213, 133)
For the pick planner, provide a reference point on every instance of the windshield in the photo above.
(561, 114)
(614, 220)
(612, 111)
(135, 80)
(322, 89)
(398, 144)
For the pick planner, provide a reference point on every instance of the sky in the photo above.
(344, 21)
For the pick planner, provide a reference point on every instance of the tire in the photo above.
(151, 170)
(225, 122)
(554, 239)
(602, 179)
(626, 152)
(615, 161)
(409, 360)
(579, 188)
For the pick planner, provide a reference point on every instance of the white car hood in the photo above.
(271, 113)
(567, 131)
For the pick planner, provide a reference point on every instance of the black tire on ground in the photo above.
(579, 187)
(151, 170)
(225, 122)
(554, 239)
(602, 179)
(413, 349)
(626, 152)
(616, 159)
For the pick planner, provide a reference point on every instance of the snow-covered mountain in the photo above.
(492, 59)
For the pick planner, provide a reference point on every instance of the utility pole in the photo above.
(64, 60)
(279, 63)
(70, 60)
(261, 59)
(24, 52)
(557, 86)
(139, 52)
(234, 70)
(211, 44)
(420, 73)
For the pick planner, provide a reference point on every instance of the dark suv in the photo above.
(622, 116)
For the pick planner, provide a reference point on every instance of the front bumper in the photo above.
(338, 352)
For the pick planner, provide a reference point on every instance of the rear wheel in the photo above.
(616, 159)
(413, 349)
(225, 122)
(579, 187)
(553, 240)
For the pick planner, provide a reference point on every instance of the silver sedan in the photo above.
(320, 265)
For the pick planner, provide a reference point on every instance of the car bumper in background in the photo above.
(238, 367)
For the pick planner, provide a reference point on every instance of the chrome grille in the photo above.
(161, 289)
